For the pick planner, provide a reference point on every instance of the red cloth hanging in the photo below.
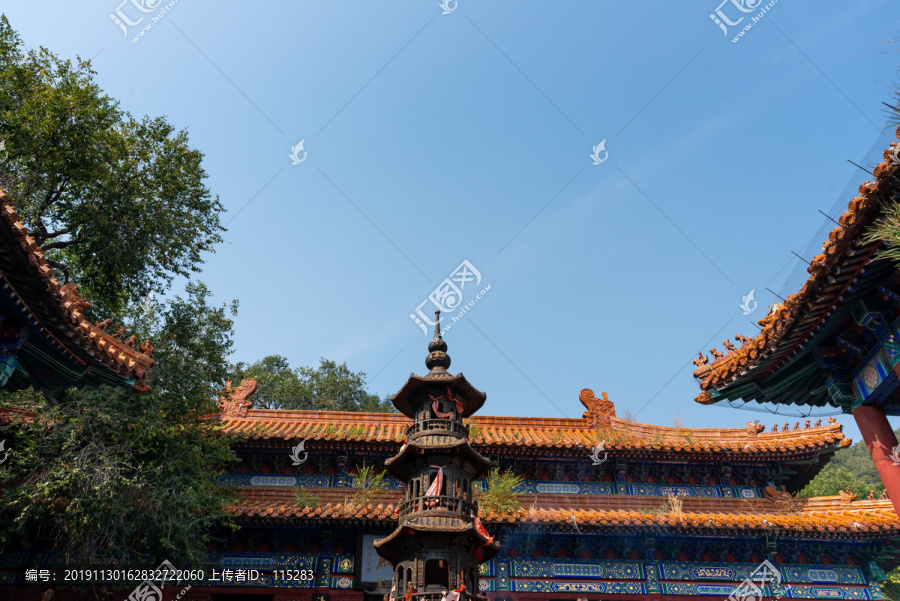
(479, 527)
(437, 412)
(449, 396)
(459, 406)
(435, 489)
(457, 595)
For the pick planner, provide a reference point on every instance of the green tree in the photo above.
(500, 493)
(118, 203)
(891, 586)
(833, 479)
(369, 487)
(105, 474)
(851, 467)
(329, 387)
(893, 110)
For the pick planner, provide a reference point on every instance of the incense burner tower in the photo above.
(439, 541)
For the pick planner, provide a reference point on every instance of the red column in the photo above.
(880, 441)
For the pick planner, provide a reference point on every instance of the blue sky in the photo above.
(431, 139)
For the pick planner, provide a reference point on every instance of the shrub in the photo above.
(499, 494)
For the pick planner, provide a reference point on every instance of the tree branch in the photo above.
(46, 394)
(46, 236)
(61, 244)
(52, 197)
(62, 267)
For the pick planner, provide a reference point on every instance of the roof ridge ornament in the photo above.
(599, 411)
(235, 402)
(437, 359)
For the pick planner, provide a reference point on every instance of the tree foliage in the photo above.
(851, 467)
(833, 479)
(369, 487)
(306, 498)
(104, 474)
(328, 387)
(118, 203)
(891, 586)
(893, 110)
(499, 494)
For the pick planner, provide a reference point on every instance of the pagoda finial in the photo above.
(437, 349)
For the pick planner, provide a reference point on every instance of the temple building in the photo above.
(835, 341)
(659, 512)
(608, 508)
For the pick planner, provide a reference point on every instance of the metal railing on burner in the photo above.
(441, 426)
(442, 503)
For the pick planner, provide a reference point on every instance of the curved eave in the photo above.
(47, 362)
(847, 266)
(391, 546)
(545, 437)
(827, 518)
(790, 374)
(44, 328)
(401, 464)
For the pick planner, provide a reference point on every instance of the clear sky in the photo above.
(430, 139)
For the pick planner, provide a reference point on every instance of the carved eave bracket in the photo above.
(235, 402)
(841, 392)
(599, 411)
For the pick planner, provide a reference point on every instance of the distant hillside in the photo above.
(851, 467)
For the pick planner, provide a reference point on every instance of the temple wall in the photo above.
(566, 487)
